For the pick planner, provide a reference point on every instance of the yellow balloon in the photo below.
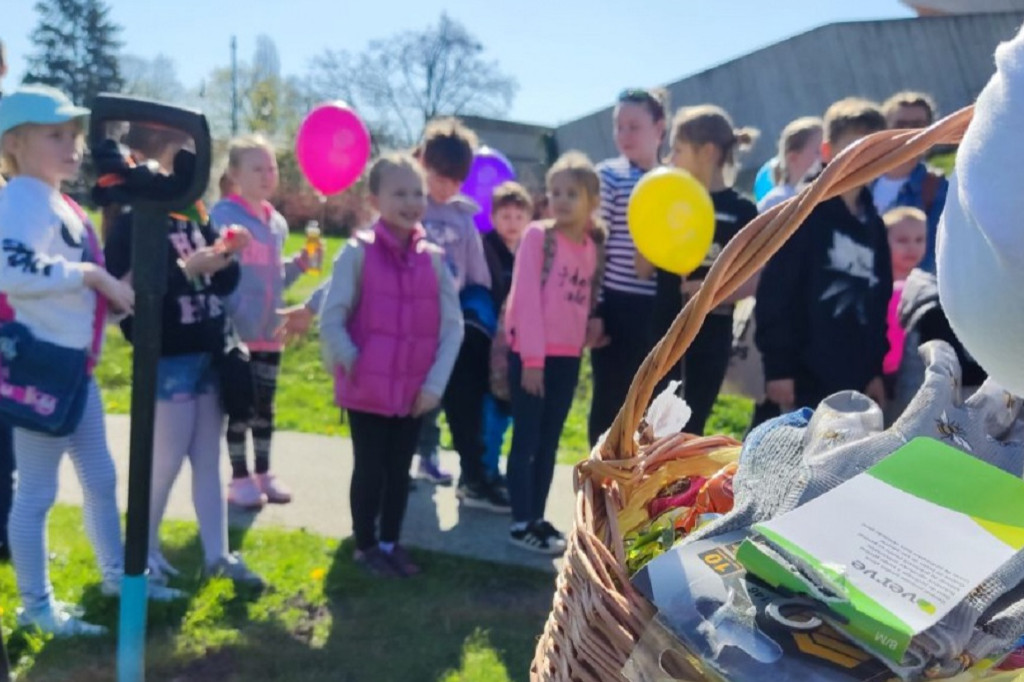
(671, 219)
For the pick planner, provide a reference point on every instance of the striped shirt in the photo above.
(618, 178)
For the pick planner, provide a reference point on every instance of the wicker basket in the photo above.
(597, 616)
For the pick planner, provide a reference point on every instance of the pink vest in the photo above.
(396, 326)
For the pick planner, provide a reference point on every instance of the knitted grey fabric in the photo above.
(798, 457)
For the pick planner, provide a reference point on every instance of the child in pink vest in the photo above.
(554, 280)
(907, 229)
(390, 330)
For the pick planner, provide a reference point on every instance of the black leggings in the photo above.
(383, 449)
(627, 322)
(265, 367)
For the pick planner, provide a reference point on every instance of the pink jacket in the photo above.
(395, 324)
(897, 337)
(550, 319)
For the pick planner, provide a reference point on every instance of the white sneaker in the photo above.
(233, 568)
(160, 570)
(57, 621)
(155, 591)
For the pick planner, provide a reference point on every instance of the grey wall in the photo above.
(949, 57)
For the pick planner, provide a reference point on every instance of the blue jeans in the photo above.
(497, 418)
(430, 435)
(538, 426)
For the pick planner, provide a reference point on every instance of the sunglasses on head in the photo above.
(636, 96)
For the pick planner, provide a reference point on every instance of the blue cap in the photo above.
(38, 104)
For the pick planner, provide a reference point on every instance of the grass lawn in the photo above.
(323, 619)
(305, 395)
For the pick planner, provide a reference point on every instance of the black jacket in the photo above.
(823, 299)
(194, 320)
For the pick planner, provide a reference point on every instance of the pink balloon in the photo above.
(332, 147)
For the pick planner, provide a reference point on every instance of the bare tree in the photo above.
(155, 78)
(400, 83)
(269, 103)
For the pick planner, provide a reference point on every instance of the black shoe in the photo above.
(533, 539)
(549, 531)
(480, 495)
(497, 496)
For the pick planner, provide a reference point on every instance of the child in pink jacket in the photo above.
(553, 283)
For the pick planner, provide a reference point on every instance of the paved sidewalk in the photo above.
(319, 468)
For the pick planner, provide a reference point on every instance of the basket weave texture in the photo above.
(597, 616)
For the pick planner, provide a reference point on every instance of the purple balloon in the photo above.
(490, 168)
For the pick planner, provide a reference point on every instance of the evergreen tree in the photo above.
(77, 47)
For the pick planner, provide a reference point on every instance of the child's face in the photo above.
(570, 202)
(401, 200)
(800, 162)
(51, 153)
(911, 116)
(441, 188)
(698, 160)
(908, 239)
(684, 155)
(255, 176)
(637, 135)
(509, 222)
(832, 149)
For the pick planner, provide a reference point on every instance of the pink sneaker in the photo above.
(273, 489)
(245, 493)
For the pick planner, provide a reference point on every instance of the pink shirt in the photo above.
(550, 320)
(897, 337)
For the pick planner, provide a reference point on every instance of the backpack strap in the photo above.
(94, 254)
(550, 247)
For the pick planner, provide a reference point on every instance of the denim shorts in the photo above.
(183, 377)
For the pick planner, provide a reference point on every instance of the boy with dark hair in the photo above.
(511, 210)
(446, 153)
(914, 183)
(822, 300)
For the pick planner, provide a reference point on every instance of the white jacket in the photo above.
(42, 244)
(980, 251)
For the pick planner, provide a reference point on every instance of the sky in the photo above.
(570, 57)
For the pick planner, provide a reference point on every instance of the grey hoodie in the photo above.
(265, 273)
(450, 225)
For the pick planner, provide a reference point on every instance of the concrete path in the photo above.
(319, 468)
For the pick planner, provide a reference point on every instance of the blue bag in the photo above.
(43, 386)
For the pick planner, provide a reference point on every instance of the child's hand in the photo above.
(533, 381)
(295, 322)
(425, 402)
(596, 338)
(234, 240)
(690, 287)
(205, 261)
(876, 391)
(119, 294)
(782, 392)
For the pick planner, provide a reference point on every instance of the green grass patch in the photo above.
(323, 619)
(305, 399)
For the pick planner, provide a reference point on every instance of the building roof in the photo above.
(939, 7)
(949, 57)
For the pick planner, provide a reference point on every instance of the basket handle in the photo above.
(756, 243)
